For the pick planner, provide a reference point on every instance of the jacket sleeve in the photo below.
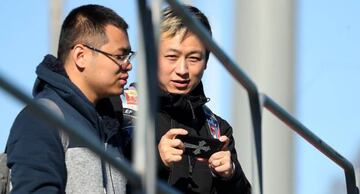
(238, 183)
(35, 156)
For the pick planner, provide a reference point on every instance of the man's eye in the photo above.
(120, 57)
(171, 57)
(195, 59)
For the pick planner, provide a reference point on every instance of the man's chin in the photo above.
(116, 92)
(180, 91)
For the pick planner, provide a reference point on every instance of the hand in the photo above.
(171, 149)
(220, 162)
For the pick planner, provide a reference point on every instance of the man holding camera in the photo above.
(183, 115)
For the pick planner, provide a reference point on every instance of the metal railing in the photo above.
(319, 144)
(256, 104)
(257, 101)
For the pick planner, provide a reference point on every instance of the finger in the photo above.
(177, 143)
(213, 157)
(172, 133)
(223, 169)
(226, 140)
(171, 158)
(215, 163)
(176, 158)
(226, 162)
(220, 155)
(172, 155)
(222, 158)
(175, 151)
(168, 147)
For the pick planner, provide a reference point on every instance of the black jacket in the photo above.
(190, 175)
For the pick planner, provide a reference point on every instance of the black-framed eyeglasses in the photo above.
(118, 59)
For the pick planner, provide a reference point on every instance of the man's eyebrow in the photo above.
(125, 50)
(196, 52)
(173, 50)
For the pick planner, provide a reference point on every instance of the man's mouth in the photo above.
(123, 79)
(181, 83)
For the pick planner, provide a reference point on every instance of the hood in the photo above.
(51, 73)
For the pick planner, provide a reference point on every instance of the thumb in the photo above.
(226, 142)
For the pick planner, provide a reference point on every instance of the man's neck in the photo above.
(77, 80)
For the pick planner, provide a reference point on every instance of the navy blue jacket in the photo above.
(43, 162)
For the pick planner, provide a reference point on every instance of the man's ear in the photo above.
(78, 56)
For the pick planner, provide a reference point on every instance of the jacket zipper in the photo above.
(103, 166)
(191, 161)
(192, 110)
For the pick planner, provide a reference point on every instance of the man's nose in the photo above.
(126, 66)
(182, 67)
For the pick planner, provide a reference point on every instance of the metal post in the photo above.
(55, 12)
(264, 46)
(145, 148)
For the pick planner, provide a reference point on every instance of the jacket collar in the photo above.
(183, 102)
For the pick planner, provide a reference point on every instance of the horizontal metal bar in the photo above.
(87, 139)
(315, 141)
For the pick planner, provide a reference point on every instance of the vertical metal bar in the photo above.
(145, 149)
(261, 26)
(256, 119)
(156, 18)
(55, 11)
(350, 179)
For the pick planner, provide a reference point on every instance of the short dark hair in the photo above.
(172, 24)
(86, 24)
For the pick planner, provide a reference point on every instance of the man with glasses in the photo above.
(92, 64)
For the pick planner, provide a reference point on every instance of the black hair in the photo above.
(86, 24)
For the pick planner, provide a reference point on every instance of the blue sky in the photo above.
(328, 68)
(327, 72)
